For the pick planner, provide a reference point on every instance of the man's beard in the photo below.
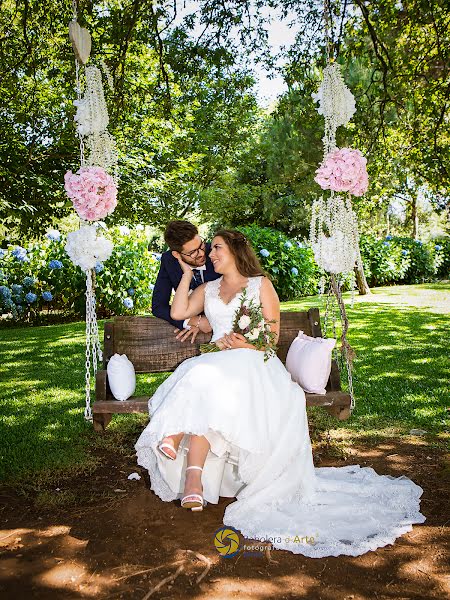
(196, 262)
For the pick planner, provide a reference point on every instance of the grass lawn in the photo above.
(401, 382)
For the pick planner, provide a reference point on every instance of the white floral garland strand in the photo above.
(92, 120)
(334, 232)
(336, 252)
(336, 104)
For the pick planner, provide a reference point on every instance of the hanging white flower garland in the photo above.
(336, 252)
(92, 189)
(334, 228)
(334, 233)
(336, 103)
(92, 114)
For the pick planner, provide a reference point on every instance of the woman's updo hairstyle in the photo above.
(247, 262)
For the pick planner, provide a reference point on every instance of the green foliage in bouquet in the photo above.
(249, 322)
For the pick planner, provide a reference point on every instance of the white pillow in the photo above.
(309, 362)
(121, 376)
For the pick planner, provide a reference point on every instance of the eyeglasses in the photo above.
(197, 251)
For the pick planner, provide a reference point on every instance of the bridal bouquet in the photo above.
(249, 322)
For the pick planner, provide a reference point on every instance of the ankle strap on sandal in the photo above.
(200, 468)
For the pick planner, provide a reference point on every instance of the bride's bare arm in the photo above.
(185, 306)
(270, 306)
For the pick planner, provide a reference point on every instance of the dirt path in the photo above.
(125, 547)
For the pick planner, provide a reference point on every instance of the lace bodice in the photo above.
(219, 314)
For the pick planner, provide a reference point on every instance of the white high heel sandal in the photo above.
(193, 501)
(170, 447)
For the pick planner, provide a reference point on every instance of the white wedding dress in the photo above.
(253, 411)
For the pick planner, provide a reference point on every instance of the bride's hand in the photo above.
(231, 341)
(184, 266)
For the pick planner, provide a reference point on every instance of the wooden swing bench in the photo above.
(150, 345)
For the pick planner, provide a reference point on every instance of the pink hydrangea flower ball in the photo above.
(343, 170)
(93, 192)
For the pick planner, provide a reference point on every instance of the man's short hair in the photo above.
(177, 233)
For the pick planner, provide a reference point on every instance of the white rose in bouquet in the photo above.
(244, 322)
(254, 334)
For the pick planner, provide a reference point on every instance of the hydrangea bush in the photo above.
(404, 260)
(289, 263)
(40, 277)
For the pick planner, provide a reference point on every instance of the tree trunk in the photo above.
(361, 281)
(414, 218)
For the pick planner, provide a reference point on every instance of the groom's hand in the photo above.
(185, 334)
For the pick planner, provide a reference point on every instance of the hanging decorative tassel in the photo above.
(92, 190)
(334, 233)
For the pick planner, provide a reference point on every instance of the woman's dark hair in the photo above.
(247, 262)
(177, 233)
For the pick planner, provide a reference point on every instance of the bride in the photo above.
(233, 403)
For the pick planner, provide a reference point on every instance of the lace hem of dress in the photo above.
(331, 548)
(405, 499)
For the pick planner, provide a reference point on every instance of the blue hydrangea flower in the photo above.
(131, 292)
(28, 281)
(5, 293)
(30, 297)
(404, 252)
(264, 252)
(438, 247)
(151, 286)
(2, 252)
(53, 234)
(16, 288)
(99, 267)
(19, 253)
(128, 302)
(418, 242)
(55, 264)
(47, 296)
(386, 244)
(389, 237)
(299, 244)
(294, 271)
(157, 255)
(287, 245)
(275, 270)
(20, 309)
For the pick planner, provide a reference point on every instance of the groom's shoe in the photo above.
(193, 501)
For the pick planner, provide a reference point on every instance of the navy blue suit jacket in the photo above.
(169, 278)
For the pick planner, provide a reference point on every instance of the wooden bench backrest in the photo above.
(151, 346)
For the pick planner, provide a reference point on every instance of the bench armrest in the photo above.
(102, 391)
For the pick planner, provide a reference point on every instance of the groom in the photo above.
(182, 237)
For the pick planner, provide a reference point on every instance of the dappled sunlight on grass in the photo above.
(401, 367)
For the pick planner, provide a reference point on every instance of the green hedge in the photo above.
(404, 260)
(289, 263)
(40, 277)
